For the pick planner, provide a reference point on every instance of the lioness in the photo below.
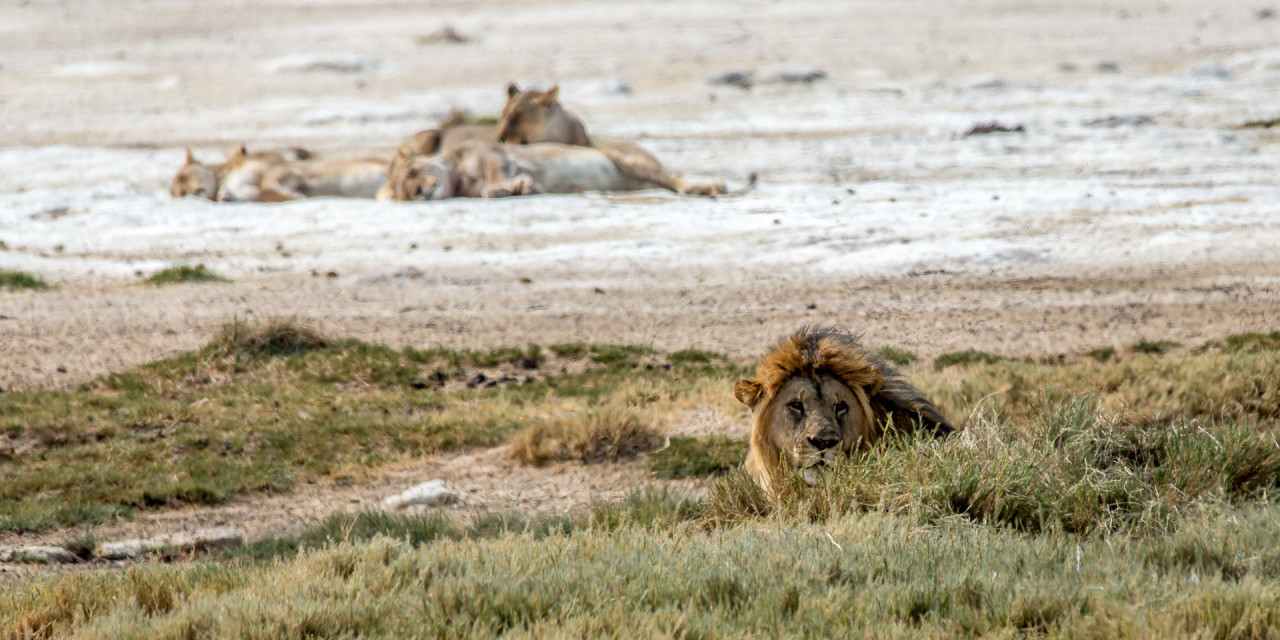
(494, 170)
(206, 180)
(531, 116)
(820, 394)
(361, 178)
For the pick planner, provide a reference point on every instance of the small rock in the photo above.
(529, 363)
(430, 494)
(985, 128)
(1112, 122)
(1108, 66)
(1266, 13)
(207, 540)
(798, 75)
(987, 83)
(37, 554)
(126, 549)
(740, 79)
(477, 380)
(446, 35)
(1211, 70)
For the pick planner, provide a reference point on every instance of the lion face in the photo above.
(819, 394)
(532, 116)
(421, 179)
(194, 179)
(814, 419)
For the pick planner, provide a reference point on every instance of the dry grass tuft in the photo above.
(596, 435)
(276, 337)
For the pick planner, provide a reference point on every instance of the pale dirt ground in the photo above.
(188, 74)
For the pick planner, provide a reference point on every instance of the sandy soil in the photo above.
(875, 211)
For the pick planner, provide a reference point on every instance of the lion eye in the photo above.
(796, 407)
(841, 409)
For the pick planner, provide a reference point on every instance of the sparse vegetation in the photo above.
(693, 356)
(966, 357)
(591, 436)
(1102, 354)
(14, 280)
(1154, 346)
(1246, 342)
(900, 357)
(686, 457)
(1121, 496)
(184, 273)
(263, 407)
(463, 117)
(1261, 124)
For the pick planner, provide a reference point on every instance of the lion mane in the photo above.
(886, 402)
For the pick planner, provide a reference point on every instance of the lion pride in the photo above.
(819, 394)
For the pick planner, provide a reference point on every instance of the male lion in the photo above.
(531, 116)
(494, 170)
(820, 394)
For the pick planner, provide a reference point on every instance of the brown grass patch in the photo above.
(595, 435)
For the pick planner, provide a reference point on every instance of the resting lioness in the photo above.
(196, 178)
(360, 178)
(531, 116)
(494, 170)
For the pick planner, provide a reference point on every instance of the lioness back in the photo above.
(562, 168)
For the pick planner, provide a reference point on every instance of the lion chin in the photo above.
(818, 395)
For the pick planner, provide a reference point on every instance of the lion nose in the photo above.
(824, 442)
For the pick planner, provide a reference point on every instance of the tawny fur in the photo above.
(242, 169)
(884, 397)
(494, 170)
(533, 116)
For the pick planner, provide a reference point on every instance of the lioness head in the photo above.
(818, 395)
(194, 179)
(421, 178)
(536, 116)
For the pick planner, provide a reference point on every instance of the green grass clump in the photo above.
(693, 356)
(458, 117)
(1261, 124)
(184, 274)
(900, 357)
(1154, 347)
(14, 280)
(1102, 354)
(1252, 342)
(966, 357)
(621, 355)
(686, 457)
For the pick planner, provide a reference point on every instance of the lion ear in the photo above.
(241, 150)
(191, 158)
(551, 96)
(512, 89)
(748, 392)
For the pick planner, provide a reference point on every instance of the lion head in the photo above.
(421, 178)
(819, 394)
(536, 116)
(194, 179)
